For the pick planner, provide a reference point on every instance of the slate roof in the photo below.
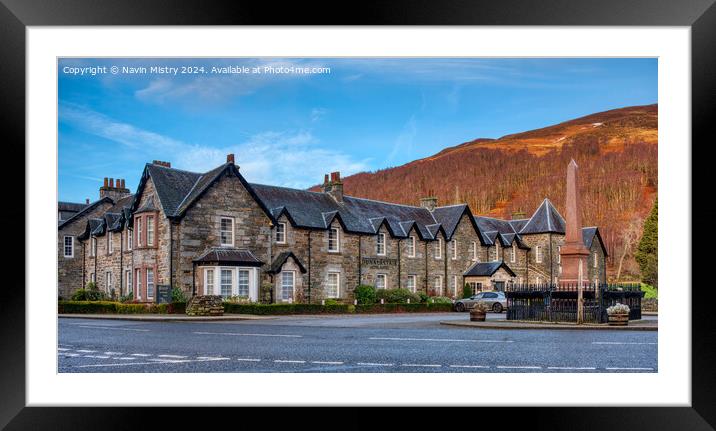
(544, 220)
(85, 210)
(70, 206)
(228, 256)
(588, 235)
(486, 269)
(281, 259)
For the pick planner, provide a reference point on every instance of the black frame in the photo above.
(15, 15)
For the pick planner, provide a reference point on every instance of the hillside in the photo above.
(616, 151)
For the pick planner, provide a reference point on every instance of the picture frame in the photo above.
(17, 15)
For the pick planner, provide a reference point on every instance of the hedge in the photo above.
(404, 308)
(266, 309)
(110, 307)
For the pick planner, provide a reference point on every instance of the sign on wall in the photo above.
(164, 294)
(379, 262)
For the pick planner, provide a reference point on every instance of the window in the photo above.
(109, 242)
(128, 280)
(380, 244)
(454, 285)
(226, 282)
(93, 247)
(227, 231)
(560, 269)
(559, 255)
(333, 241)
(454, 249)
(411, 246)
(474, 251)
(332, 285)
(439, 285)
(150, 283)
(129, 239)
(411, 283)
(69, 246)
(92, 278)
(538, 280)
(513, 257)
(208, 281)
(281, 233)
(150, 230)
(538, 254)
(596, 260)
(138, 225)
(243, 282)
(380, 281)
(139, 284)
(439, 249)
(108, 277)
(287, 284)
(497, 249)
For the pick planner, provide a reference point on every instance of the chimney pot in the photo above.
(87, 201)
(325, 179)
(111, 182)
(123, 186)
(106, 182)
(230, 158)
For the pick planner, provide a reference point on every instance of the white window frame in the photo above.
(108, 281)
(138, 284)
(128, 280)
(154, 282)
(209, 281)
(380, 239)
(497, 249)
(221, 231)
(414, 279)
(293, 285)
(474, 251)
(337, 294)
(93, 279)
(385, 281)
(150, 231)
(411, 246)
(596, 261)
(439, 249)
(130, 234)
(72, 246)
(281, 229)
(559, 254)
(438, 284)
(455, 283)
(337, 232)
(538, 254)
(232, 281)
(513, 258)
(138, 224)
(109, 242)
(239, 271)
(454, 249)
(93, 246)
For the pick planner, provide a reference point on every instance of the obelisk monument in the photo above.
(573, 251)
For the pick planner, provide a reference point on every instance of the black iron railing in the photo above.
(558, 302)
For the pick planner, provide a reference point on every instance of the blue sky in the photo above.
(290, 128)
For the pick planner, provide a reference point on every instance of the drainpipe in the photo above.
(193, 279)
(426, 268)
(551, 265)
(309, 266)
(95, 265)
(121, 263)
(360, 259)
(445, 258)
(399, 272)
(171, 255)
(84, 264)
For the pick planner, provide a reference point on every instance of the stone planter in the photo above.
(618, 319)
(477, 315)
(205, 305)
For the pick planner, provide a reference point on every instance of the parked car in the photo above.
(496, 301)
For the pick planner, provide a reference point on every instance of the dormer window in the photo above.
(333, 240)
(454, 249)
(380, 244)
(281, 233)
(439, 249)
(226, 233)
(411, 246)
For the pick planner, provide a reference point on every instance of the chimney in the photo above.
(230, 158)
(430, 202)
(519, 214)
(161, 163)
(87, 201)
(334, 186)
(114, 190)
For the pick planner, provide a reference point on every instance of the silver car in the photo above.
(496, 301)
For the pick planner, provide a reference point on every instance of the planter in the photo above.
(477, 316)
(618, 319)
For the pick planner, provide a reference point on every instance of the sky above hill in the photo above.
(289, 121)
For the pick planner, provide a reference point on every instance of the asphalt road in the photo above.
(369, 343)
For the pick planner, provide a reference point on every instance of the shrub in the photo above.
(441, 300)
(88, 295)
(649, 291)
(618, 309)
(365, 294)
(330, 301)
(423, 297)
(127, 298)
(466, 291)
(178, 295)
(403, 308)
(397, 296)
(99, 307)
(236, 299)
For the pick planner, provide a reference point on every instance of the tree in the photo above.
(628, 236)
(647, 253)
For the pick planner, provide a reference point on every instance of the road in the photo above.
(366, 343)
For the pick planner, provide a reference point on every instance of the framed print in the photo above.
(414, 206)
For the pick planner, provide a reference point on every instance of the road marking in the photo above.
(629, 368)
(113, 353)
(289, 361)
(519, 367)
(571, 368)
(86, 351)
(141, 354)
(374, 364)
(248, 335)
(154, 362)
(469, 366)
(421, 365)
(440, 339)
(62, 348)
(618, 342)
(213, 358)
(125, 358)
(327, 362)
(96, 356)
(114, 328)
(71, 355)
(171, 356)
(248, 359)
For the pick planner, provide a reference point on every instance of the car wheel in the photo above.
(460, 307)
(497, 308)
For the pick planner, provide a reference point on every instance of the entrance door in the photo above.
(499, 286)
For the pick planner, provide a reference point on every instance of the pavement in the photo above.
(647, 323)
(403, 343)
(166, 317)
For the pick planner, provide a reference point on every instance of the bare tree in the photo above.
(629, 235)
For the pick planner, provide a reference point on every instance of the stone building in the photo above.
(215, 233)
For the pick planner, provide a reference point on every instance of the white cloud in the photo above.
(404, 142)
(287, 158)
(317, 114)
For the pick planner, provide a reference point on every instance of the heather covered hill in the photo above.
(616, 151)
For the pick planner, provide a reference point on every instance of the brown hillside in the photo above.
(616, 151)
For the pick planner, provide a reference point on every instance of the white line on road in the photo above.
(213, 358)
(571, 368)
(86, 351)
(440, 339)
(469, 366)
(114, 328)
(248, 335)
(62, 348)
(125, 358)
(248, 359)
(141, 354)
(96, 356)
(113, 353)
(171, 356)
(154, 362)
(617, 342)
(71, 355)
(629, 368)
(327, 362)
(289, 361)
(519, 367)
(421, 365)
(374, 364)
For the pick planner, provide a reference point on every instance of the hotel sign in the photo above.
(379, 262)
